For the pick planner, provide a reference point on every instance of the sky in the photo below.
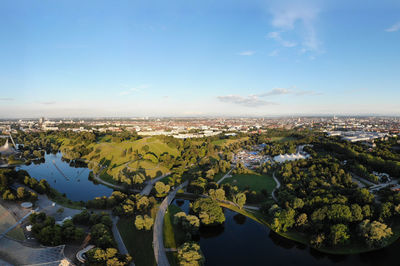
(115, 58)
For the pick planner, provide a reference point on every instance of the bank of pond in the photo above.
(239, 241)
(243, 241)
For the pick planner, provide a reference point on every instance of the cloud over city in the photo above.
(297, 20)
(248, 101)
(256, 100)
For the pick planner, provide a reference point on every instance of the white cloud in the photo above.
(276, 91)
(134, 89)
(248, 101)
(288, 91)
(296, 18)
(394, 27)
(247, 53)
(274, 53)
(277, 37)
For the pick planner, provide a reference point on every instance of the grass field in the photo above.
(6, 221)
(254, 181)
(138, 242)
(112, 153)
(173, 236)
(218, 176)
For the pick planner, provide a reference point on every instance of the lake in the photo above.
(242, 241)
(66, 178)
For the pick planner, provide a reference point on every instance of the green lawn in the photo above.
(138, 242)
(173, 236)
(218, 176)
(6, 221)
(254, 181)
(112, 153)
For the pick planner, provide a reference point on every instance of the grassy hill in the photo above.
(118, 156)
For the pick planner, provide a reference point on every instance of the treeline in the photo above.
(373, 162)
(319, 198)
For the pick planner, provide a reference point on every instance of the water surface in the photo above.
(242, 241)
(66, 178)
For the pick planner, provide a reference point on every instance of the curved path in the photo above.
(150, 183)
(278, 185)
(158, 236)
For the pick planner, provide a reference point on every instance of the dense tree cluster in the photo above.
(318, 197)
(189, 254)
(48, 233)
(209, 211)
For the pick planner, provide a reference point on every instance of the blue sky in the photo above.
(189, 58)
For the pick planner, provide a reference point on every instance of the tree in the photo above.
(189, 254)
(301, 220)
(240, 199)
(283, 220)
(339, 234)
(318, 240)
(144, 222)
(298, 203)
(217, 194)
(356, 212)
(142, 204)
(209, 212)
(161, 189)
(189, 223)
(375, 233)
(386, 211)
(21, 192)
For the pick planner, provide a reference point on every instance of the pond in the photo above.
(242, 241)
(66, 178)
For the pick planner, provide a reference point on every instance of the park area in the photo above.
(254, 181)
(6, 221)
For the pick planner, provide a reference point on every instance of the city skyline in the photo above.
(264, 58)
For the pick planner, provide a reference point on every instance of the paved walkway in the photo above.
(116, 187)
(16, 224)
(117, 236)
(150, 183)
(48, 206)
(225, 176)
(278, 185)
(158, 237)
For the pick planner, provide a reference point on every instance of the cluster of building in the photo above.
(250, 159)
(200, 127)
(356, 136)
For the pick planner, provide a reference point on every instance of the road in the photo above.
(158, 238)
(278, 185)
(225, 176)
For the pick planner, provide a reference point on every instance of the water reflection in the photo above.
(242, 241)
(69, 177)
